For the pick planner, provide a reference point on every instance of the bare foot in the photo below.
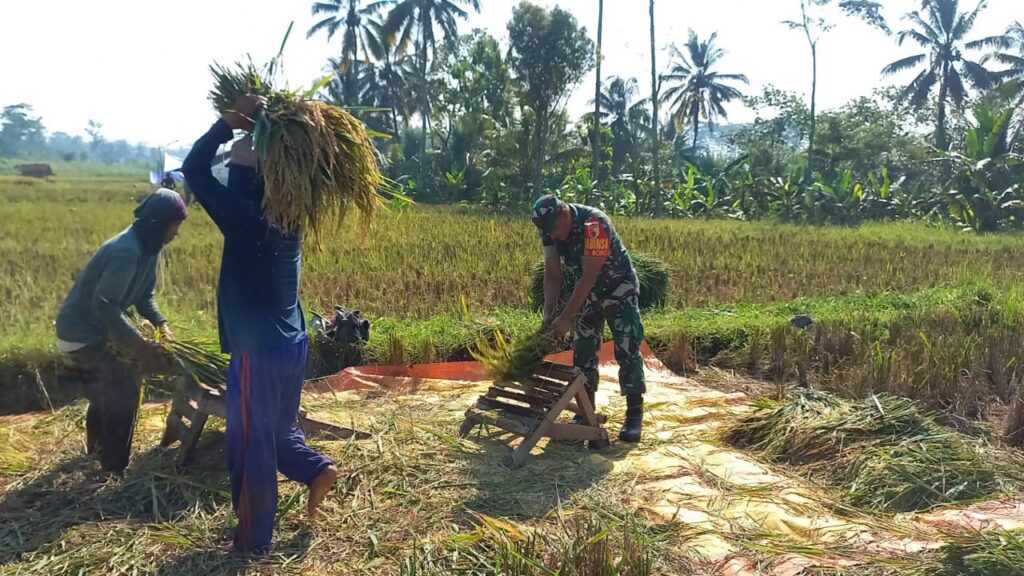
(320, 487)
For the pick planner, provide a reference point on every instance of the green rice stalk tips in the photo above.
(507, 361)
(318, 161)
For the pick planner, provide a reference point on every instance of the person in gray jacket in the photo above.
(92, 326)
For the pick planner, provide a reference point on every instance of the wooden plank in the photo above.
(575, 409)
(316, 428)
(547, 396)
(523, 387)
(190, 439)
(186, 407)
(505, 423)
(485, 403)
(584, 403)
(559, 371)
(213, 405)
(533, 400)
(467, 426)
(560, 431)
(549, 386)
(544, 427)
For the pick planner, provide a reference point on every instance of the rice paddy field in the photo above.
(899, 311)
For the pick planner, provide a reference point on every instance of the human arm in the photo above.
(228, 210)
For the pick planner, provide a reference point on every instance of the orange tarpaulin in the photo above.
(365, 377)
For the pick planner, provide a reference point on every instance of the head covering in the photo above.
(545, 212)
(155, 214)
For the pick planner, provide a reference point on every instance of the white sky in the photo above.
(140, 67)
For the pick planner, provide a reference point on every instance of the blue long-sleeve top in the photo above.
(258, 292)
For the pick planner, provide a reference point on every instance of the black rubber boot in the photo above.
(634, 419)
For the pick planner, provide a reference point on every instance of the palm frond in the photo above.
(330, 23)
(979, 76)
(957, 91)
(903, 64)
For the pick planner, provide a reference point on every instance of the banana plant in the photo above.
(984, 194)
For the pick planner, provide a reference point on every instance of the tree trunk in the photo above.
(696, 129)
(940, 121)
(540, 130)
(595, 171)
(655, 136)
(391, 98)
(809, 174)
(424, 105)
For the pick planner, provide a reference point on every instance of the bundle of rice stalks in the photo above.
(882, 451)
(918, 475)
(200, 359)
(651, 272)
(994, 553)
(317, 160)
(507, 361)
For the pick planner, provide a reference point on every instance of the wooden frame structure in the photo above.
(195, 403)
(531, 408)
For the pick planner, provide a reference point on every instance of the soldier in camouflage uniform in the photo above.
(607, 290)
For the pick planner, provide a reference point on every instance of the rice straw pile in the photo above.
(884, 452)
(990, 553)
(317, 160)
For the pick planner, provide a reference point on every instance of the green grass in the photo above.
(422, 262)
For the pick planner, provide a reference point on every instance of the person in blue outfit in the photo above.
(93, 328)
(261, 326)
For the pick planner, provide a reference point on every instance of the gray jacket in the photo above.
(121, 275)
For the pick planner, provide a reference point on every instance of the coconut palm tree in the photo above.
(1011, 55)
(350, 15)
(390, 76)
(695, 90)
(416, 19)
(942, 30)
(620, 109)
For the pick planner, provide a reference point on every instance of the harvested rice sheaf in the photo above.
(317, 160)
(200, 359)
(651, 272)
(884, 452)
(507, 361)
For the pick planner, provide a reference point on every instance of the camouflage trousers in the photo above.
(622, 311)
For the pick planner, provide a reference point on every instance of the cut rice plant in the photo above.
(651, 272)
(317, 160)
(884, 452)
(200, 359)
(507, 361)
(993, 553)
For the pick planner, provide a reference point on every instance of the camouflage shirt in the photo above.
(594, 235)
